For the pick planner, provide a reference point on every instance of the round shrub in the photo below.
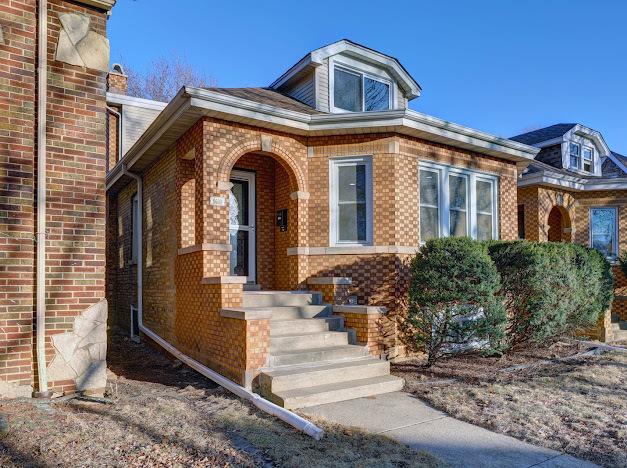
(550, 289)
(452, 303)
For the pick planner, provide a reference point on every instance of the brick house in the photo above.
(264, 224)
(576, 191)
(54, 59)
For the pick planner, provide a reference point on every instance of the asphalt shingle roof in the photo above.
(267, 96)
(543, 134)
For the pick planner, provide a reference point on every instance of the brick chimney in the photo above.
(117, 81)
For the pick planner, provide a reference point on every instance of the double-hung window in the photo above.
(455, 202)
(575, 156)
(588, 157)
(603, 230)
(354, 91)
(134, 228)
(351, 201)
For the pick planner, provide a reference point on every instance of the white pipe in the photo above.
(283, 414)
(40, 280)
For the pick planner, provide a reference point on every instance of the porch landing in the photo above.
(313, 358)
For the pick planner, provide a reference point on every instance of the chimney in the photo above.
(117, 81)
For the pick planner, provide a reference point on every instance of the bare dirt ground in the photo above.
(578, 405)
(166, 415)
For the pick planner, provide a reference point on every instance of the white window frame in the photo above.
(570, 155)
(466, 177)
(334, 164)
(439, 205)
(616, 230)
(135, 228)
(443, 172)
(364, 74)
(583, 159)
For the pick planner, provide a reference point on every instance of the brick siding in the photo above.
(187, 312)
(75, 118)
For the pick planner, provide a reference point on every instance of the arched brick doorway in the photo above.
(263, 186)
(559, 225)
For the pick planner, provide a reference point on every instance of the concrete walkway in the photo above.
(412, 422)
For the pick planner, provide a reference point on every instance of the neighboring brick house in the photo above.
(324, 181)
(60, 117)
(576, 191)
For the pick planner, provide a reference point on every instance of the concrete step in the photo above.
(289, 378)
(329, 393)
(294, 326)
(299, 312)
(316, 355)
(619, 335)
(619, 325)
(294, 342)
(280, 298)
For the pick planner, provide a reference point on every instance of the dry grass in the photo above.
(577, 406)
(167, 415)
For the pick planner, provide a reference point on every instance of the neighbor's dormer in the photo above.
(573, 147)
(348, 77)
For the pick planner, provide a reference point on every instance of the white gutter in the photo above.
(283, 414)
(40, 279)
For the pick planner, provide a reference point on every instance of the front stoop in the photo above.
(311, 361)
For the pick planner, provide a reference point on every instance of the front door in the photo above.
(242, 224)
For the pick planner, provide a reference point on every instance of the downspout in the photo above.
(40, 240)
(264, 405)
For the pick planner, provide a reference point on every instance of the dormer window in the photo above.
(357, 92)
(575, 156)
(588, 156)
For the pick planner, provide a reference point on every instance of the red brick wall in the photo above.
(75, 119)
(17, 172)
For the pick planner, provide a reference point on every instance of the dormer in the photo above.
(348, 77)
(573, 147)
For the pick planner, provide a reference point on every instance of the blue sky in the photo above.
(500, 66)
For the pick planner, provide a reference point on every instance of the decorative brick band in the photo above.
(330, 280)
(205, 247)
(360, 309)
(225, 280)
(359, 250)
(298, 195)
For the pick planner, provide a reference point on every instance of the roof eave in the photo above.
(190, 104)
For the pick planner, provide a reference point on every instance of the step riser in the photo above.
(329, 355)
(321, 340)
(302, 312)
(339, 395)
(273, 384)
(305, 326)
(280, 299)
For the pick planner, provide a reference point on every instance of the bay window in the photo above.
(603, 230)
(351, 201)
(456, 202)
(357, 92)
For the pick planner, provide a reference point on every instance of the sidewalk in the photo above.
(412, 422)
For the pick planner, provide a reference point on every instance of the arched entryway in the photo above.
(559, 225)
(263, 220)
